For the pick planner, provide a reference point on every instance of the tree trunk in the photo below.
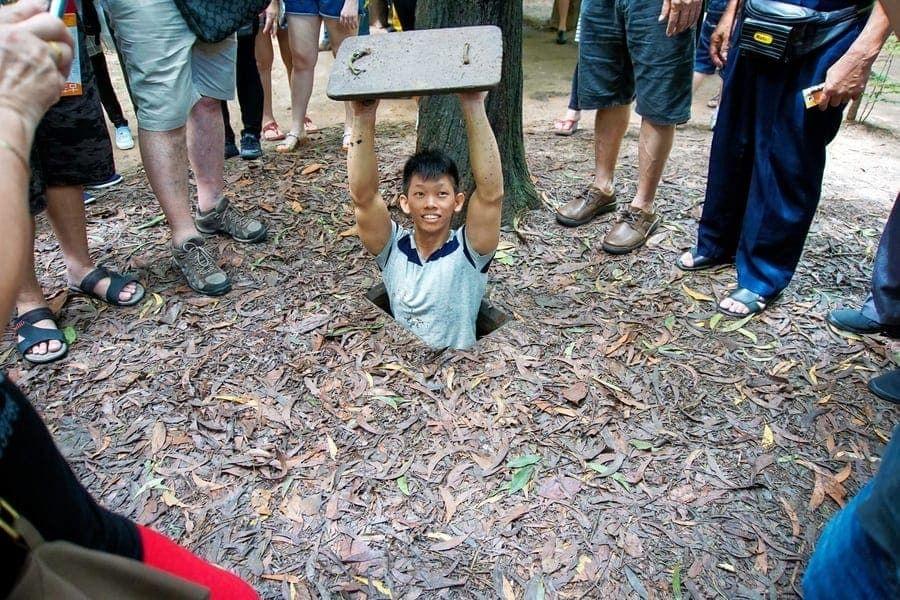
(440, 120)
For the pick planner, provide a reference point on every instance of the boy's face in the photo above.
(431, 203)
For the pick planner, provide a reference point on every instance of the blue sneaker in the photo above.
(88, 198)
(231, 150)
(250, 148)
(114, 179)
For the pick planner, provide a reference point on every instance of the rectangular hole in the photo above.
(489, 318)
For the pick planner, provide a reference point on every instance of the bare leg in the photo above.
(205, 136)
(698, 79)
(609, 129)
(654, 145)
(338, 34)
(65, 208)
(563, 7)
(284, 48)
(304, 32)
(31, 296)
(265, 56)
(164, 154)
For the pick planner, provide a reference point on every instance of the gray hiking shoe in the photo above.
(225, 218)
(200, 268)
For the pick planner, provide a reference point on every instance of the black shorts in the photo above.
(71, 144)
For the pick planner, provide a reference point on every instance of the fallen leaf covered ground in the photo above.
(616, 438)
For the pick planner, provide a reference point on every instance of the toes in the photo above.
(687, 259)
(53, 346)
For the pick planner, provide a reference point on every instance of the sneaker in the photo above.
(224, 218)
(88, 198)
(200, 268)
(124, 141)
(110, 181)
(250, 148)
(231, 149)
(713, 118)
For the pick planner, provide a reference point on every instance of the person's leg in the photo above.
(226, 123)
(249, 87)
(30, 297)
(406, 13)
(654, 145)
(886, 272)
(265, 56)
(205, 138)
(107, 92)
(164, 154)
(563, 10)
(284, 50)
(65, 209)
(338, 35)
(569, 123)
(610, 126)
(304, 34)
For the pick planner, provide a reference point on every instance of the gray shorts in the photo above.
(168, 67)
(625, 54)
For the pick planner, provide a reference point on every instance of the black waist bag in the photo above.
(214, 20)
(783, 32)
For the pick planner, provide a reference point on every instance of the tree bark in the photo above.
(440, 120)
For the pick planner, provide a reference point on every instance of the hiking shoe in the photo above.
(88, 198)
(114, 179)
(250, 148)
(585, 206)
(224, 218)
(124, 140)
(231, 149)
(200, 268)
(631, 230)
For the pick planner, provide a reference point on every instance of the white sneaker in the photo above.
(124, 141)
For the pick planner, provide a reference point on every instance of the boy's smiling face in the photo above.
(431, 203)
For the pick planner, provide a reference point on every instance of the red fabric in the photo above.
(166, 555)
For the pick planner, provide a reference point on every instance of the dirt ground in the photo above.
(615, 439)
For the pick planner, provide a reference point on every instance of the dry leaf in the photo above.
(699, 296)
(308, 169)
(768, 438)
(296, 206)
(332, 447)
(576, 393)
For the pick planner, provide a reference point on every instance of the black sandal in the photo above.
(23, 325)
(754, 302)
(702, 263)
(117, 282)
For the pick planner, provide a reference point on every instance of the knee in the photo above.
(208, 106)
(303, 61)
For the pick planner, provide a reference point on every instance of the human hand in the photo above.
(845, 80)
(350, 16)
(364, 108)
(720, 41)
(35, 57)
(272, 14)
(682, 14)
(472, 97)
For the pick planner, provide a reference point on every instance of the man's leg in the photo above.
(65, 210)
(338, 35)
(610, 126)
(205, 139)
(249, 86)
(654, 145)
(30, 297)
(165, 158)
(304, 34)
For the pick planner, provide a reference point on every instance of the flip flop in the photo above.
(271, 132)
(565, 127)
(24, 325)
(702, 263)
(753, 301)
(309, 126)
(117, 283)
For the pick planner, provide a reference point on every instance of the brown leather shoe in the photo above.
(585, 206)
(633, 227)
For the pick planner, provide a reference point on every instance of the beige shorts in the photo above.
(168, 68)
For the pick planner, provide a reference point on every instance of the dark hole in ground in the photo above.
(489, 318)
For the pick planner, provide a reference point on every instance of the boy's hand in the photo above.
(472, 97)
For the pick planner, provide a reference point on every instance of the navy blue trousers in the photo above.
(883, 304)
(766, 164)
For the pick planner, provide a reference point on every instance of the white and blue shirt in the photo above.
(437, 299)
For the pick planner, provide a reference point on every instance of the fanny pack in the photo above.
(783, 32)
(214, 21)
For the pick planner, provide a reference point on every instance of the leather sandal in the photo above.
(702, 263)
(754, 302)
(24, 325)
(271, 132)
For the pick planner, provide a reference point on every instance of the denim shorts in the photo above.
(327, 9)
(702, 62)
(625, 54)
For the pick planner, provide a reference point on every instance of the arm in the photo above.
(483, 215)
(373, 222)
(272, 13)
(350, 16)
(846, 79)
(32, 73)
(720, 40)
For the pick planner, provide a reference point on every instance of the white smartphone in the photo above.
(57, 8)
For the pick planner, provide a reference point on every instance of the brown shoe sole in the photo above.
(627, 249)
(570, 222)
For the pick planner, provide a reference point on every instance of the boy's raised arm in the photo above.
(373, 222)
(483, 215)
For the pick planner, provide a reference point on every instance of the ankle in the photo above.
(644, 205)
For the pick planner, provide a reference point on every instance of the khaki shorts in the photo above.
(168, 67)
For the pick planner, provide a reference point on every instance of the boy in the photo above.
(435, 277)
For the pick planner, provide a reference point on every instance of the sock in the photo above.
(164, 554)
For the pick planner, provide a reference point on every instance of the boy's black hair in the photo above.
(430, 165)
